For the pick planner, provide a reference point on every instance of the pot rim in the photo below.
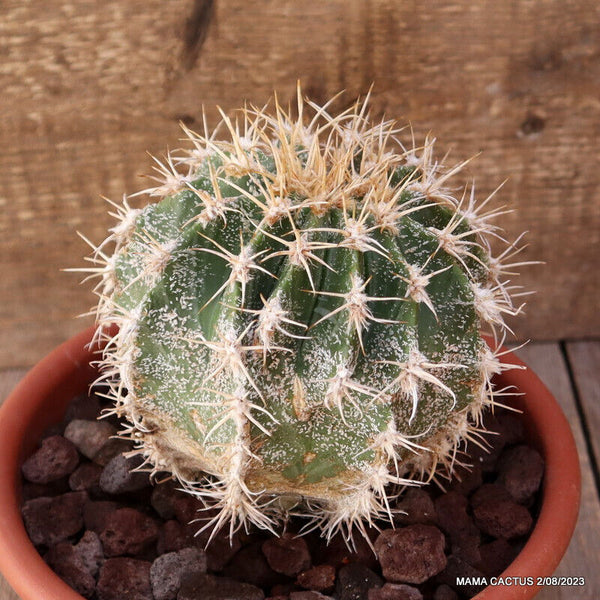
(66, 371)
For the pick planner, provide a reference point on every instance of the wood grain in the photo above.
(8, 380)
(6, 592)
(88, 87)
(581, 558)
(584, 358)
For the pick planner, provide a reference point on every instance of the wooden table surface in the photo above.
(572, 372)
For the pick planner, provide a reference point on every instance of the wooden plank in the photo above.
(8, 380)
(87, 88)
(584, 359)
(581, 558)
(6, 592)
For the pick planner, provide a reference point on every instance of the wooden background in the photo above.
(86, 88)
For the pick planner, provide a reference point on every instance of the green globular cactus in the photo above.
(299, 318)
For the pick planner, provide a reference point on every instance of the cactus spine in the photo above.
(299, 317)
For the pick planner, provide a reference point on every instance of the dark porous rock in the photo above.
(163, 499)
(416, 506)
(451, 510)
(220, 551)
(118, 476)
(284, 589)
(86, 477)
(128, 531)
(89, 436)
(453, 519)
(95, 513)
(287, 554)
(395, 591)
(83, 406)
(221, 548)
(496, 556)
(188, 508)
(52, 520)
(250, 566)
(510, 426)
(167, 571)
(520, 470)
(37, 490)
(354, 582)
(337, 552)
(172, 536)
(488, 492)
(320, 578)
(55, 458)
(56, 429)
(445, 592)
(455, 568)
(494, 444)
(412, 554)
(278, 597)
(308, 595)
(124, 579)
(466, 479)
(467, 547)
(112, 448)
(198, 586)
(497, 514)
(89, 548)
(70, 567)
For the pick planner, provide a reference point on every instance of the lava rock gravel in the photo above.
(112, 534)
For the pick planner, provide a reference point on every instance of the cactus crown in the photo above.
(299, 317)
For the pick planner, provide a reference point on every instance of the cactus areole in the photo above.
(299, 317)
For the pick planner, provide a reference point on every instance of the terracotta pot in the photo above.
(43, 395)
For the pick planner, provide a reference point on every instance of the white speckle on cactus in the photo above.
(415, 371)
(214, 207)
(356, 303)
(390, 441)
(489, 363)
(342, 388)
(491, 303)
(357, 236)
(156, 258)
(241, 265)
(227, 353)
(127, 218)
(458, 245)
(417, 284)
(277, 208)
(270, 319)
(169, 179)
(300, 251)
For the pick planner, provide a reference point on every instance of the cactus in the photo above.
(299, 318)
